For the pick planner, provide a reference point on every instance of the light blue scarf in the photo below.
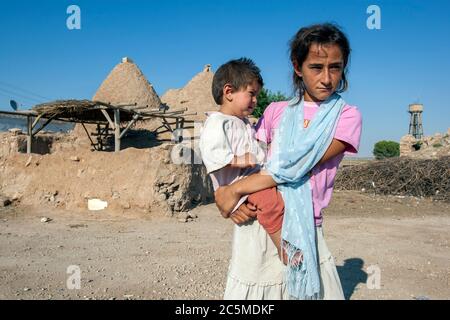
(296, 151)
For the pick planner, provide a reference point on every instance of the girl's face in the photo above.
(321, 71)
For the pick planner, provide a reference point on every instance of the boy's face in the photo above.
(321, 71)
(243, 101)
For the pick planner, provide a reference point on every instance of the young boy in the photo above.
(228, 146)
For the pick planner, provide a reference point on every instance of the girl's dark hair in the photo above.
(238, 73)
(321, 34)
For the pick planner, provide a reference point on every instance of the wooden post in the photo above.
(116, 130)
(29, 133)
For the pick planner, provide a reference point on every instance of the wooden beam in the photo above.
(116, 130)
(44, 125)
(111, 123)
(89, 136)
(35, 122)
(29, 133)
(135, 117)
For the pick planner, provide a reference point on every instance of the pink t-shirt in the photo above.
(322, 180)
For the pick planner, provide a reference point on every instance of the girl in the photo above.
(313, 131)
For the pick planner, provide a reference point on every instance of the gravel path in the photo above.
(139, 257)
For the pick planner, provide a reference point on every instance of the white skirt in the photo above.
(256, 272)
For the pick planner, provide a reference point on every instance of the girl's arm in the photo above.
(336, 148)
(227, 197)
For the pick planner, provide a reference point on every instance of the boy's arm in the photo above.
(227, 197)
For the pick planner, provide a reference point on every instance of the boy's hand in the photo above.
(247, 160)
(244, 213)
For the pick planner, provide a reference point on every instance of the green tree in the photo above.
(265, 98)
(386, 149)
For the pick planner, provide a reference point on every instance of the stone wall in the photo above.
(428, 147)
(144, 179)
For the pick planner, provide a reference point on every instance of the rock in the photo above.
(16, 196)
(15, 131)
(189, 215)
(4, 202)
(168, 146)
(28, 161)
(125, 205)
(115, 195)
(26, 289)
(162, 197)
(163, 190)
(74, 158)
(45, 219)
(186, 217)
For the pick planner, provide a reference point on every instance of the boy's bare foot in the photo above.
(297, 259)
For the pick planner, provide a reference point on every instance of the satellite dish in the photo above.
(14, 104)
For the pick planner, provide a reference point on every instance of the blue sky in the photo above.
(406, 61)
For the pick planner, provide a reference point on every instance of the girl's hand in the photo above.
(244, 213)
(226, 199)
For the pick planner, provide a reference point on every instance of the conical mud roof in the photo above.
(196, 96)
(126, 84)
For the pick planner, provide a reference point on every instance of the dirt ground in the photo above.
(402, 242)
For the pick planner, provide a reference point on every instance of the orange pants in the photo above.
(270, 208)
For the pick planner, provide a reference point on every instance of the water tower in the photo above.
(415, 123)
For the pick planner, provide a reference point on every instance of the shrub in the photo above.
(386, 149)
(265, 98)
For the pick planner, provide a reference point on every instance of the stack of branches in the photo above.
(78, 110)
(399, 176)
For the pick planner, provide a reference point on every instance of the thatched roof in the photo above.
(79, 110)
(196, 96)
(127, 84)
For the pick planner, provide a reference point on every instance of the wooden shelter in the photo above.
(106, 116)
(124, 97)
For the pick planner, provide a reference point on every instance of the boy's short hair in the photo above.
(238, 73)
